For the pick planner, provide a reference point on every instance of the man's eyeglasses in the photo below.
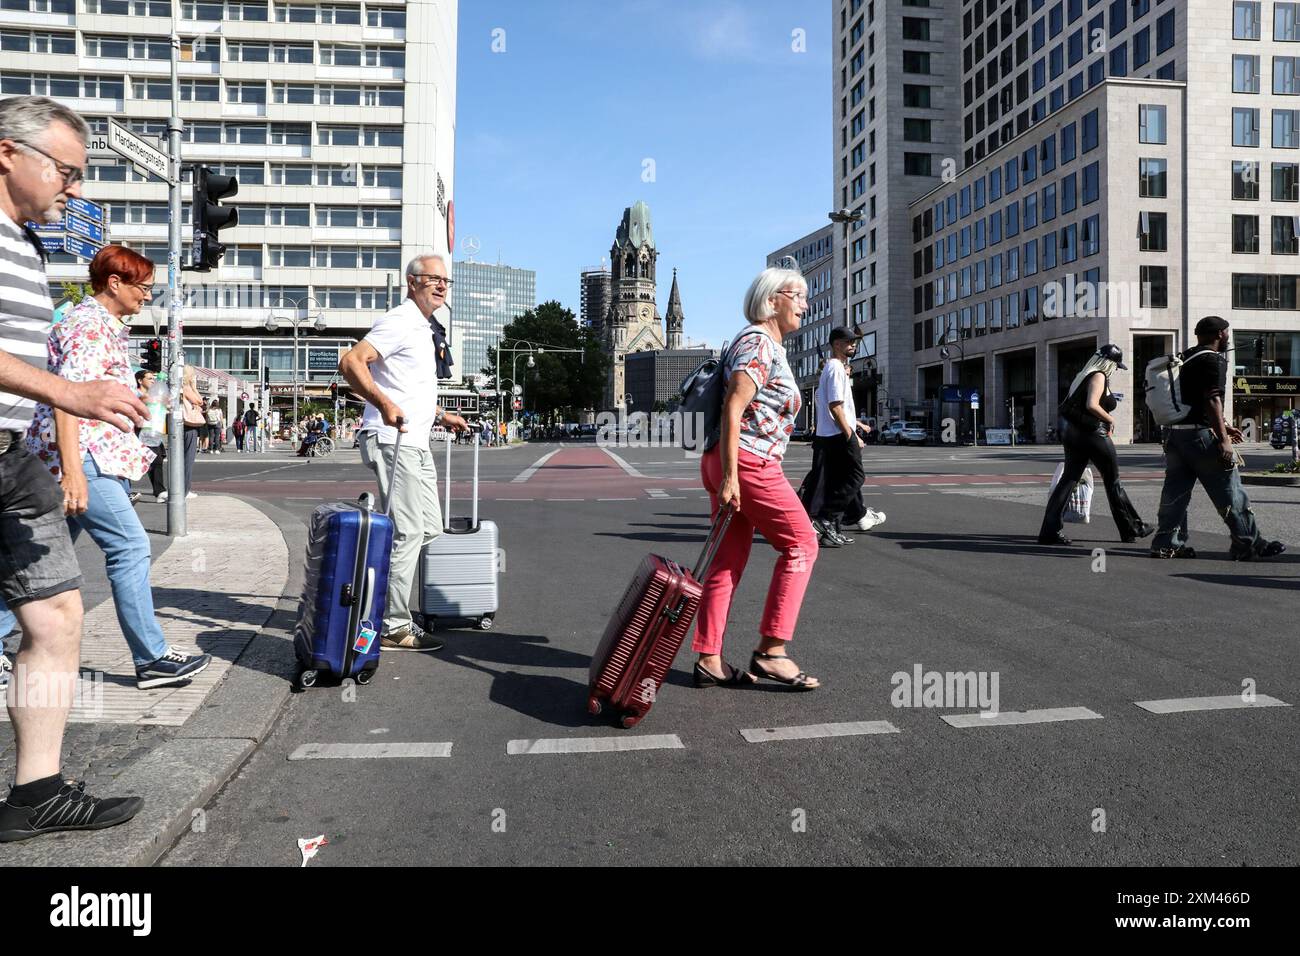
(71, 174)
(434, 280)
(794, 296)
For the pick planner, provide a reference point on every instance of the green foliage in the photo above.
(562, 383)
(76, 292)
(1286, 468)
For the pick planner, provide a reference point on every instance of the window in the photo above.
(1047, 154)
(1155, 287)
(916, 28)
(1031, 257)
(1009, 173)
(1013, 264)
(1284, 22)
(1069, 193)
(1151, 124)
(1245, 126)
(1031, 211)
(1245, 73)
(1090, 183)
(1284, 75)
(200, 91)
(1245, 179)
(1048, 243)
(1286, 129)
(1286, 182)
(1069, 243)
(1284, 235)
(1153, 231)
(916, 130)
(1141, 48)
(1090, 131)
(1253, 291)
(1029, 165)
(246, 92)
(1165, 32)
(995, 228)
(1119, 60)
(916, 62)
(1152, 178)
(1068, 141)
(916, 164)
(1091, 236)
(1245, 234)
(917, 97)
(1049, 202)
(1011, 219)
(1245, 20)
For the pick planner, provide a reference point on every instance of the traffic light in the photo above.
(266, 376)
(334, 391)
(151, 355)
(210, 216)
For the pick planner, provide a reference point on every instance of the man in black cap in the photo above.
(1199, 448)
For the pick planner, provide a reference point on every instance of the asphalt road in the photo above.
(952, 582)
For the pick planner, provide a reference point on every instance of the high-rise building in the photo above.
(595, 297)
(1134, 194)
(896, 132)
(484, 300)
(337, 119)
(814, 256)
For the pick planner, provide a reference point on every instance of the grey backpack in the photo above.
(702, 393)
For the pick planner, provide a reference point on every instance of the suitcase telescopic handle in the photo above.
(446, 512)
(392, 475)
(714, 541)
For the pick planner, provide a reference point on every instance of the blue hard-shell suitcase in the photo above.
(349, 550)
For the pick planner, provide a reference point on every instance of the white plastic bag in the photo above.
(1079, 507)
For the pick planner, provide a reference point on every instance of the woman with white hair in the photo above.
(1087, 411)
(743, 469)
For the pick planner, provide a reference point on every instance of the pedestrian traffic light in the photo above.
(334, 391)
(210, 216)
(151, 355)
(266, 376)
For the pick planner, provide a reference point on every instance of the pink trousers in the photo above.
(769, 504)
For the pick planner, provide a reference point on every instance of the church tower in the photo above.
(674, 318)
(633, 323)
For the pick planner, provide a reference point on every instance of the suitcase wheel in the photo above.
(629, 721)
(307, 678)
(365, 677)
(594, 706)
(485, 622)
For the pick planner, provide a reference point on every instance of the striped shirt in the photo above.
(25, 314)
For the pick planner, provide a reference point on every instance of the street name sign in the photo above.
(146, 158)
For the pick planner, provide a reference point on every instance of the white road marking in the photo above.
(513, 499)
(369, 751)
(591, 745)
(656, 493)
(1179, 705)
(616, 499)
(759, 735)
(253, 474)
(632, 472)
(532, 469)
(911, 492)
(1009, 717)
(566, 499)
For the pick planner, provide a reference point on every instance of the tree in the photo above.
(559, 382)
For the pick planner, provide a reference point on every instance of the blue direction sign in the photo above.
(86, 209)
(79, 247)
(46, 228)
(84, 228)
(52, 244)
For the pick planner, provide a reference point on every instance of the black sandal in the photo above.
(734, 678)
(801, 681)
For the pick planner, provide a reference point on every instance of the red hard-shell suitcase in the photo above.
(647, 629)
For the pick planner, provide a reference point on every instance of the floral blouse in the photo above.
(768, 421)
(88, 345)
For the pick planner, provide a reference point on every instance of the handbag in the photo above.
(702, 393)
(190, 414)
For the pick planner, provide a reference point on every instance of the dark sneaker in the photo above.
(1180, 552)
(69, 809)
(1269, 549)
(172, 668)
(1055, 539)
(411, 638)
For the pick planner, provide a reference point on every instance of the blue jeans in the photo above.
(1192, 455)
(113, 524)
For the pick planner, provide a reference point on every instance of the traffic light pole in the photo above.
(176, 489)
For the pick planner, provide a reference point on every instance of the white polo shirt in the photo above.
(834, 386)
(406, 371)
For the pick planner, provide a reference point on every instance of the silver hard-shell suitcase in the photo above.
(458, 569)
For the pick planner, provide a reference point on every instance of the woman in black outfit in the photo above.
(1087, 411)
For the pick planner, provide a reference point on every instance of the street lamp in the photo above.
(530, 349)
(296, 320)
(514, 376)
(844, 217)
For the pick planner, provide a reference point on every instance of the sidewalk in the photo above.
(225, 589)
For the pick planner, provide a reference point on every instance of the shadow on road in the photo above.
(1245, 581)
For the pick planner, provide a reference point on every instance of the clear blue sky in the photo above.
(552, 133)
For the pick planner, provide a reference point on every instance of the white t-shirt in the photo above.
(406, 371)
(834, 386)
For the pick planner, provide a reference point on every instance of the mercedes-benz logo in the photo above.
(470, 246)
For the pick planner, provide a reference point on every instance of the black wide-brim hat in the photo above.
(1114, 353)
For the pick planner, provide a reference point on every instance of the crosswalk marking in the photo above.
(369, 751)
(588, 745)
(532, 469)
(759, 735)
(1179, 705)
(1010, 717)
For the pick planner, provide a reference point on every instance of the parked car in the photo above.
(903, 433)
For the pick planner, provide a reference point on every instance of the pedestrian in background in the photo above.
(237, 430)
(1087, 411)
(192, 412)
(95, 463)
(42, 165)
(394, 369)
(157, 467)
(216, 427)
(251, 418)
(743, 470)
(1199, 448)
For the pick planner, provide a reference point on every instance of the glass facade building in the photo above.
(484, 299)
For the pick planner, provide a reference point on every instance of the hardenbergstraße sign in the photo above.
(146, 158)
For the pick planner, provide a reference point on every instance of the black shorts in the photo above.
(36, 555)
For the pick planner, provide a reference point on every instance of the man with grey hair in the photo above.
(395, 369)
(42, 155)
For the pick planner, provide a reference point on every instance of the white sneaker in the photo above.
(163, 496)
(191, 494)
(870, 520)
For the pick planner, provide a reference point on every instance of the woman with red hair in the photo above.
(96, 463)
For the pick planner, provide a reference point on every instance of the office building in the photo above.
(594, 295)
(654, 378)
(338, 120)
(484, 300)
